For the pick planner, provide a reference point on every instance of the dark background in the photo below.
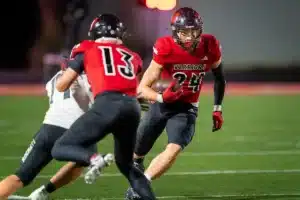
(260, 38)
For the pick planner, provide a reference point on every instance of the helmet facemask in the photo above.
(187, 38)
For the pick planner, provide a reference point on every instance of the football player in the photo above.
(185, 57)
(64, 109)
(112, 71)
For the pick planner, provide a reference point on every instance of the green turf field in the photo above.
(255, 156)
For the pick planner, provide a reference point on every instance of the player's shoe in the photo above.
(39, 194)
(98, 162)
(132, 195)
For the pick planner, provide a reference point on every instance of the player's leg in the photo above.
(85, 131)
(125, 138)
(150, 128)
(36, 157)
(66, 174)
(69, 172)
(180, 129)
(88, 130)
(9, 185)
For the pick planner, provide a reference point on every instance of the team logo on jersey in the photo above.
(204, 58)
(194, 67)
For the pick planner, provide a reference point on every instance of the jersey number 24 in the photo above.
(194, 82)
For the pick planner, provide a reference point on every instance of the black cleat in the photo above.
(132, 195)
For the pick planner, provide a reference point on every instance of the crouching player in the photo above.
(64, 109)
(184, 57)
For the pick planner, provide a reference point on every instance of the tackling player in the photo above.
(112, 71)
(64, 109)
(185, 57)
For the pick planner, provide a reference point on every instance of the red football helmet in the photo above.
(187, 27)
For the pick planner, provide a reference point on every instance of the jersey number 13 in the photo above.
(111, 69)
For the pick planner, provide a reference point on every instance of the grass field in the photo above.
(255, 156)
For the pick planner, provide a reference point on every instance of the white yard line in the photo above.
(217, 196)
(209, 172)
(211, 196)
(209, 154)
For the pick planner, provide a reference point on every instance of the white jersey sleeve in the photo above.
(84, 83)
(66, 107)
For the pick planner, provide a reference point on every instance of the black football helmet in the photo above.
(187, 19)
(107, 25)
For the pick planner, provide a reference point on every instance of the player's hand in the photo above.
(173, 92)
(217, 120)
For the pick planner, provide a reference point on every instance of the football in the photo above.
(162, 84)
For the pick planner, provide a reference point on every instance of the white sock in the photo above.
(148, 177)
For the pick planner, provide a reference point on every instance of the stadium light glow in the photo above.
(160, 4)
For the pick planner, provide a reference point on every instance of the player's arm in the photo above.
(140, 75)
(140, 71)
(149, 77)
(219, 84)
(75, 67)
(142, 101)
(161, 50)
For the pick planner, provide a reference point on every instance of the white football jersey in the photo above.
(66, 107)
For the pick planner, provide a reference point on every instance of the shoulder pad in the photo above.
(213, 47)
(211, 40)
(81, 47)
(163, 46)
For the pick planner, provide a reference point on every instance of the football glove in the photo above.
(217, 120)
(172, 92)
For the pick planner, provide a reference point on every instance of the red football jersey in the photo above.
(109, 67)
(188, 68)
(81, 47)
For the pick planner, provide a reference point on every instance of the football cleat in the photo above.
(98, 162)
(132, 195)
(39, 194)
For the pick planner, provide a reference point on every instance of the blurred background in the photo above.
(260, 39)
(254, 156)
